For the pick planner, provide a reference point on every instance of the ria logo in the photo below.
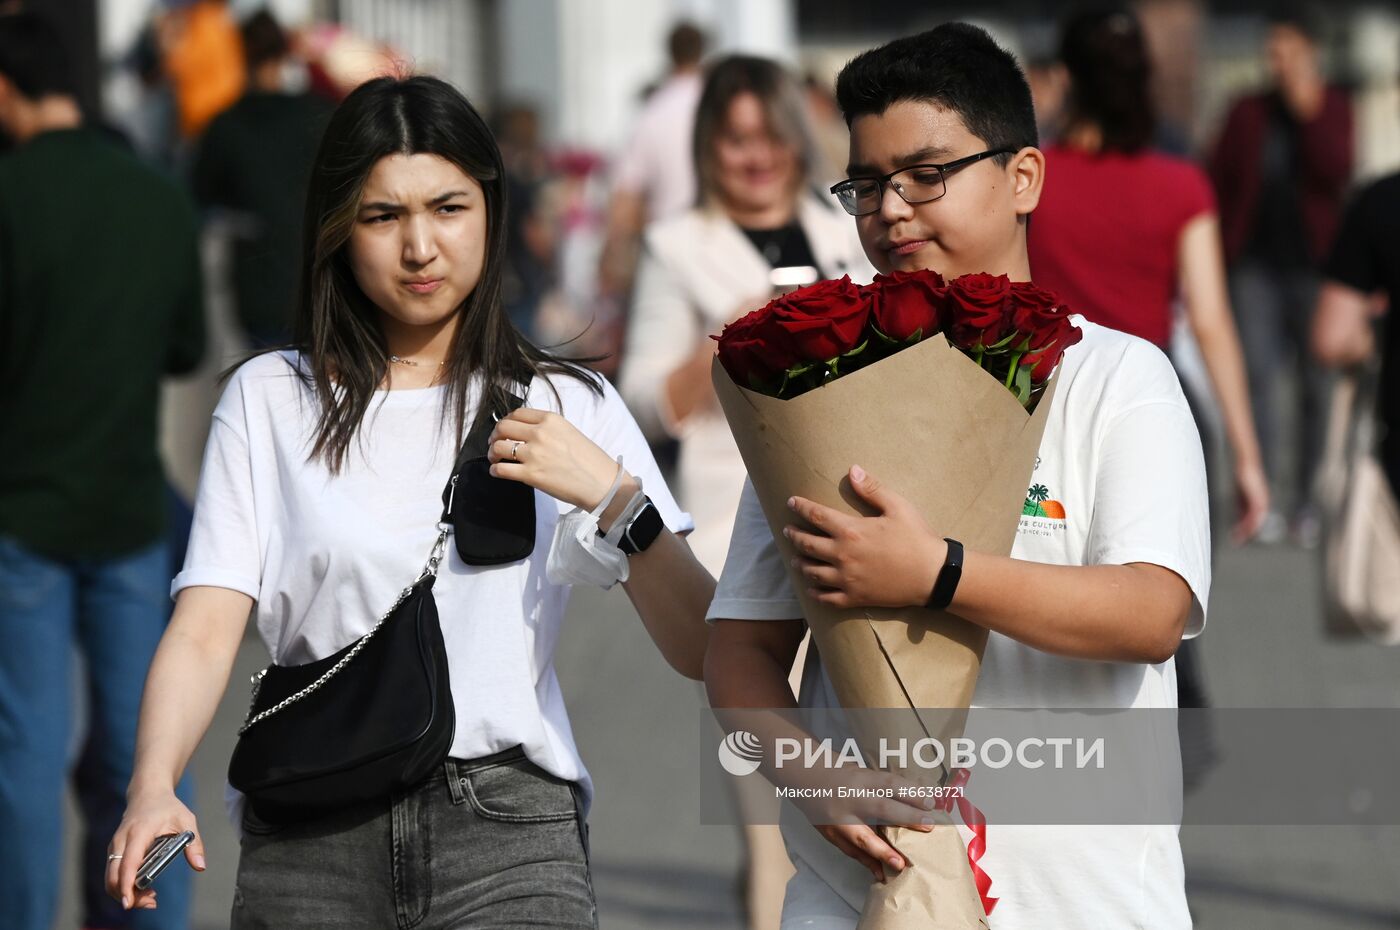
(740, 753)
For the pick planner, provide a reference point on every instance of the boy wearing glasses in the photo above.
(1110, 568)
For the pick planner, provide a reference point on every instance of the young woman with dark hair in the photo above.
(1122, 233)
(1122, 230)
(318, 501)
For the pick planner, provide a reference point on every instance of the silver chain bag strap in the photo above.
(429, 571)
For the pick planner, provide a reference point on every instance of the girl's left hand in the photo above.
(547, 452)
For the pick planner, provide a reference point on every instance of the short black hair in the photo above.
(1301, 17)
(263, 39)
(32, 56)
(957, 66)
(686, 44)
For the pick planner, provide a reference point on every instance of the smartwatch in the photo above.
(643, 530)
(948, 576)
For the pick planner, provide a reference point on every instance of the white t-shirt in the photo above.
(325, 555)
(1120, 478)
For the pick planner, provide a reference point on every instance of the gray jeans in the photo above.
(495, 843)
(1274, 310)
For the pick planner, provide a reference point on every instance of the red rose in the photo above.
(1030, 304)
(908, 302)
(823, 320)
(1037, 315)
(979, 308)
(1043, 328)
(754, 350)
(1044, 359)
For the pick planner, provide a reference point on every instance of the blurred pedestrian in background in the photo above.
(1049, 83)
(101, 297)
(529, 272)
(758, 229)
(654, 176)
(203, 58)
(1104, 178)
(1361, 474)
(253, 162)
(1121, 233)
(561, 235)
(1281, 167)
(1362, 283)
(151, 124)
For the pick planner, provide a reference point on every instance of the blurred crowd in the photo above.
(1256, 260)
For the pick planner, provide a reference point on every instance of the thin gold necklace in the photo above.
(409, 361)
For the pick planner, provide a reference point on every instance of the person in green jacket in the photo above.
(253, 164)
(100, 297)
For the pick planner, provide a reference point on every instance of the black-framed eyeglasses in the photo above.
(916, 184)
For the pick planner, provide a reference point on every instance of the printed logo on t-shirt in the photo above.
(1041, 514)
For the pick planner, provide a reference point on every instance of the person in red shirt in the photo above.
(1122, 230)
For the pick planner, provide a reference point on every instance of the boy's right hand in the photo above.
(147, 817)
(868, 846)
(853, 833)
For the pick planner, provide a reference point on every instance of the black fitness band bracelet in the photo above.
(948, 576)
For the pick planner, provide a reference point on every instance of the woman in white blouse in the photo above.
(759, 228)
(318, 501)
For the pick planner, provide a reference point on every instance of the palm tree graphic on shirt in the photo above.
(1039, 504)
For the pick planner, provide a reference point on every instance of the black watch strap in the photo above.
(643, 530)
(948, 576)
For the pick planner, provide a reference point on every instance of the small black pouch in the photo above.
(356, 726)
(493, 519)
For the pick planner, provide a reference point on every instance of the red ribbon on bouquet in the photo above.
(976, 821)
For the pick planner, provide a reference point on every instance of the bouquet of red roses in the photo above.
(942, 390)
(802, 340)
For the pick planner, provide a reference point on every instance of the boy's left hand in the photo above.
(889, 560)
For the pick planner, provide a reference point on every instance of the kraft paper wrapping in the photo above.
(946, 435)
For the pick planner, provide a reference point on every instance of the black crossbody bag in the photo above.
(377, 716)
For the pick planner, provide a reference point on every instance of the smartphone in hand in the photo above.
(162, 852)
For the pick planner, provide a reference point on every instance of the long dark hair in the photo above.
(337, 327)
(1110, 76)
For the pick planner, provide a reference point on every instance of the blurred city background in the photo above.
(566, 85)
